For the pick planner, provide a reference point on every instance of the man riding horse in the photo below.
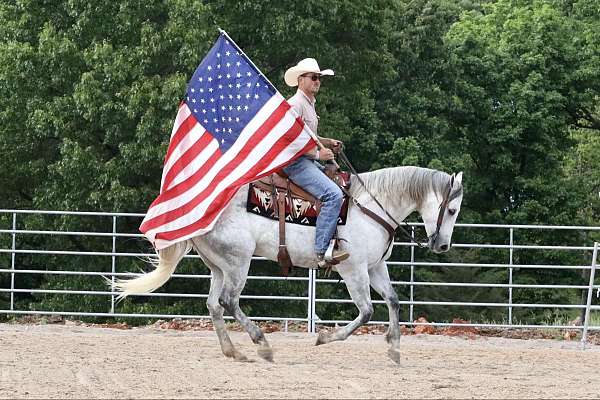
(306, 172)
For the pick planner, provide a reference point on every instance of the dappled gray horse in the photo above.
(238, 235)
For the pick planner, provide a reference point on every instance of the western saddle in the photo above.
(281, 188)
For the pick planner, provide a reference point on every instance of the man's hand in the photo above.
(335, 145)
(326, 154)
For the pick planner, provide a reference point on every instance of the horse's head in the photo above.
(439, 214)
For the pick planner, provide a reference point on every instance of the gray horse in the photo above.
(238, 235)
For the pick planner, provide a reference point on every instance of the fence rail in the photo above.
(12, 232)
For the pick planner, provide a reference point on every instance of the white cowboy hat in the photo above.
(303, 67)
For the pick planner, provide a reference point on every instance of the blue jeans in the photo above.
(307, 174)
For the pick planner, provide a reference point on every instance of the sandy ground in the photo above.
(61, 361)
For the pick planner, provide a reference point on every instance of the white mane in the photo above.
(390, 183)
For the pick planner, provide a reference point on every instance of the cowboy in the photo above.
(305, 171)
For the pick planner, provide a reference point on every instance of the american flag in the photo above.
(233, 127)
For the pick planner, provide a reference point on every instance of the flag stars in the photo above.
(226, 100)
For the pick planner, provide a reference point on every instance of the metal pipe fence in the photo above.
(16, 229)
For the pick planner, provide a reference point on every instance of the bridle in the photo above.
(449, 196)
(443, 206)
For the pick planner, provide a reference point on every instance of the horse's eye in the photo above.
(452, 211)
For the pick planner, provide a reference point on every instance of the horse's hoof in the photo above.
(394, 354)
(323, 338)
(236, 355)
(266, 353)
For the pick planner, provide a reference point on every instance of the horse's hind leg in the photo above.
(234, 282)
(232, 260)
(357, 282)
(380, 281)
(216, 313)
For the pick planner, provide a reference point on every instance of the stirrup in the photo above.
(333, 255)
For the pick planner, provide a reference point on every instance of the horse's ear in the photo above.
(458, 178)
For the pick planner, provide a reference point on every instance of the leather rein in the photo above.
(448, 197)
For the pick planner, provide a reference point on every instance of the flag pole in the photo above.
(312, 134)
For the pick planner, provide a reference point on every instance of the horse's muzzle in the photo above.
(438, 246)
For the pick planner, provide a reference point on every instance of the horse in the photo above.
(238, 235)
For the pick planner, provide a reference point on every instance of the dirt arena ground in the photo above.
(62, 361)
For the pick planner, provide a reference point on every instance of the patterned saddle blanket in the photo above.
(300, 207)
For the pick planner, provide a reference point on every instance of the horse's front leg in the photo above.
(356, 278)
(380, 281)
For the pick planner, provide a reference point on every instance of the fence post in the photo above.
(586, 320)
(311, 315)
(412, 275)
(510, 277)
(12, 262)
(114, 261)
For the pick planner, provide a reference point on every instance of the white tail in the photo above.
(168, 259)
